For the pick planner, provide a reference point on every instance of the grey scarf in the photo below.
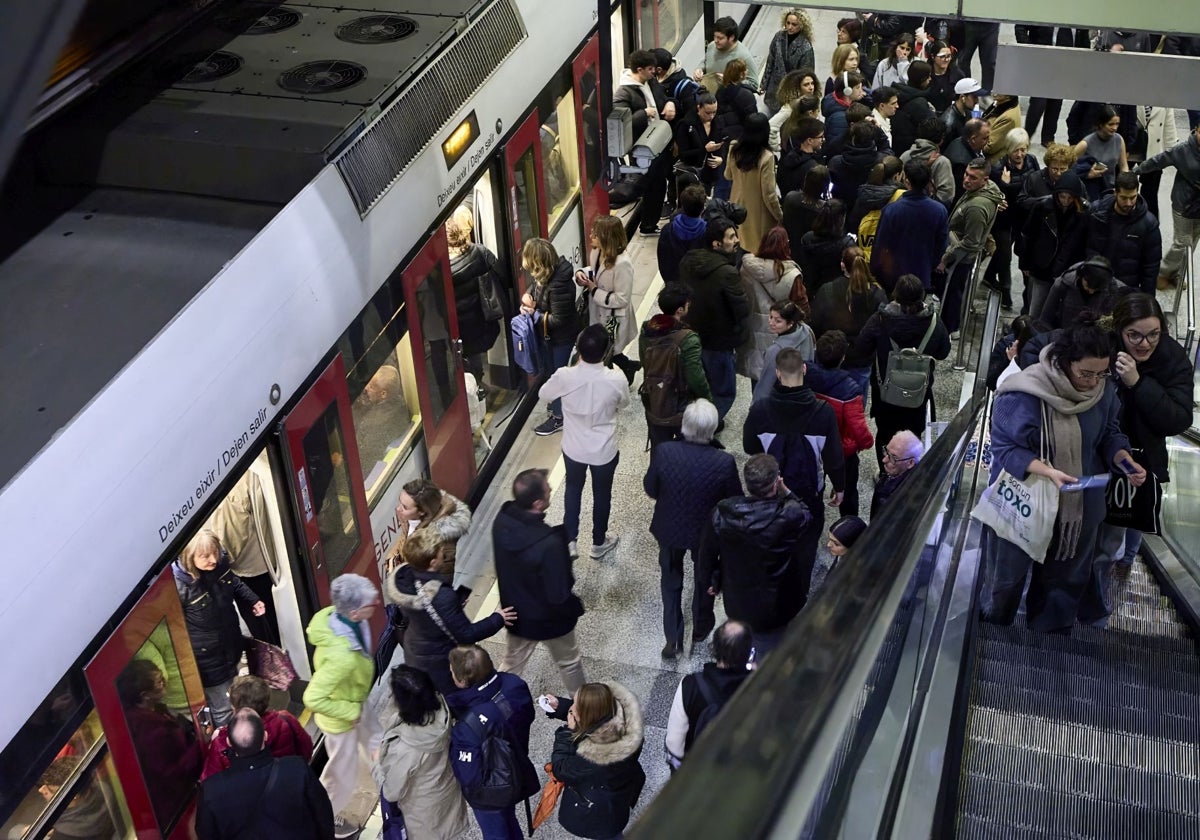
(1053, 387)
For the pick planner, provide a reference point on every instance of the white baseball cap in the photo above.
(969, 86)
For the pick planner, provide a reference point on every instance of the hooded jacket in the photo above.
(791, 418)
(799, 338)
(600, 770)
(413, 770)
(429, 603)
(911, 238)
(906, 329)
(636, 96)
(793, 168)
(212, 621)
(1053, 237)
(719, 307)
(939, 167)
(1185, 157)
(689, 353)
(1132, 243)
(843, 393)
(683, 234)
(763, 288)
(1067, 297)
(970, 223)
(533, 571)
(1159, 406)
(914, 109)
(452, 521)
(686, 480)
(342, 672)
(485, 701)
(833, 107)
(751, 553)
(849, 172)
(869, 198)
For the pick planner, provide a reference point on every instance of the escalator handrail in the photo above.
(767, 754)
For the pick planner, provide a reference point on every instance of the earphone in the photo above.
(846, 83)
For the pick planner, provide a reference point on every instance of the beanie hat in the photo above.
(847, 530)
(1071, 183)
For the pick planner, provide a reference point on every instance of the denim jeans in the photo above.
(555, 356)
(499, 825)
(602, 482)
(722, 379)
(1056, 586)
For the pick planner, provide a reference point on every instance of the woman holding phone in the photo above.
(1105, 149)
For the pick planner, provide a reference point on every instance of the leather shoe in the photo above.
(671, 650)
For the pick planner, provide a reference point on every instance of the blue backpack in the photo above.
(526, 344)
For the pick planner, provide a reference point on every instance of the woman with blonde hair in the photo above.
(791, 87)
(845, 59)
(790, 50)
(550, 298)
(475, 272)
(207, 589)
(610, 287)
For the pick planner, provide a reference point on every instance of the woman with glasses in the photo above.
(946, 74)
(1071, 381)
(1153, 377)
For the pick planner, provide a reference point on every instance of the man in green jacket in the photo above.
(970, 226)
(674, 300)
(343, 671)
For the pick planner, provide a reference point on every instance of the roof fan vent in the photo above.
(259, 19)
(201, 68)
(376, 29)
(317, 77)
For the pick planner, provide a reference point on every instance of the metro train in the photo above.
(243, 243)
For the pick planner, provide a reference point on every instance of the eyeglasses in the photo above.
(895, 459)
(1093, 375)
(1135, 337)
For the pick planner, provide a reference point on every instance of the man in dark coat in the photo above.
(533, 571)
(683, 233)
(801, 431)
(914, 106)
(803, 150)
(719, 309)
(1086, 285)
(752, 552)
(489, 701)
(966, 148)
(1123, 229)
(686, 479)
(913, 232)
(900, 455)
(260, 795)
(849, 170)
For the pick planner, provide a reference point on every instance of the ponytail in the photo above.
(855, 261)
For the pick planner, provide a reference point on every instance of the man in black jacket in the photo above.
(900, 455)
(636, 91)
(752, 553)
(1123, 229)
(914, 106)
(719, 307)
(260, 795)
(533, 571)
(801, 431)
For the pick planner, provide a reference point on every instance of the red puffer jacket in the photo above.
(852, 424)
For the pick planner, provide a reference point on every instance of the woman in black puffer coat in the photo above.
(469, 264)
(207, 588)
(551, 298)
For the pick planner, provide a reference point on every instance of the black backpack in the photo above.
(664, 388)
(710, 711)
(502, 764)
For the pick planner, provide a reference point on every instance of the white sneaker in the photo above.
(605, 548)
(573, 549)
(344, 828)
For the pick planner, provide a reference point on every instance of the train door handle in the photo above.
(315, 553)
(458, 351)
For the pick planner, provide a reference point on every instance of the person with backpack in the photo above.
(596, 756)
(551, 301)
(753, 553)
(686, 479)
(842, 391)
(802, 432)
(701, 695)
(489, 742)
(672, 368)
(902, 383)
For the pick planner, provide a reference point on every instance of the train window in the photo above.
(438, 353)
(525, 183)
(560, 156)
(589, 94)
(169, 751)
(383, 414)
(667, 23)
(329, 479)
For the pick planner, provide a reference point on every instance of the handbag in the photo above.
(491, 300)
(1023, 512)
(394, 827)
(271, 663)
(1139, 508)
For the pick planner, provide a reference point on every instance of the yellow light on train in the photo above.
(454, 146)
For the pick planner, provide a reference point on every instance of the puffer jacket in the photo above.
(428, 601)
(844, 395)
(1159, 406)
(734, 104)
(478, 334)
(915, 108)
(789, 419)
(833, 108)
(686, 480)
(1133, 243)
(719, 309)
(970, 224)
(763, 288)
(750, 552)
(413, 770)
(533, 571)
(556, 300)
(869, 198)
(849, 172)
(600, 771)
(343, 671)
(212, 621)
(1185, 157)
(1053, 238)
(1067, 298)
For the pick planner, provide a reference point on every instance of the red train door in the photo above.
(586, 70)
(525, 185)
(437, 352)
(327, 482)
(148, 696)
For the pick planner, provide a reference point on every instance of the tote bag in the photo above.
(1022, 512)
(1139, 508)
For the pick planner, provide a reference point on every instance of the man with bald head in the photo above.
(260, 795)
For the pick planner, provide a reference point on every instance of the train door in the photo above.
(585, 70)
(438, 353)
(526, 190)
(325, 475)
(148, 696)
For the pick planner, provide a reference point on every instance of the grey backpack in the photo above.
(905, 383)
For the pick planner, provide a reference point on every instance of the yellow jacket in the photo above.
(342, 673)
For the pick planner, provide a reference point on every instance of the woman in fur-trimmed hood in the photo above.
(596, 757)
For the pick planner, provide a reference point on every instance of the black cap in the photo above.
(847, 530)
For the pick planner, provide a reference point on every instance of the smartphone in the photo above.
(205, 717)
(1127, 466)
(1087, 482)
(1103, 167)
(544, 702)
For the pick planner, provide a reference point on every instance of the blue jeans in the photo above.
(499, 825)
(722, 380)
(602, 482)
(555, 356)
(1056, 587)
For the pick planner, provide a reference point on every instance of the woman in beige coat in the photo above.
(767, 276)
(412, 768)
(751, 168)
(611, 286)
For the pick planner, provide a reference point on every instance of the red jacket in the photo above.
(285, 736)
(852, 424)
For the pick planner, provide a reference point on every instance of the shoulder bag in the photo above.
(1139, 508)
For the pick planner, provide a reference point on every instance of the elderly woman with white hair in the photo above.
(686, 479)
(343, 670)
(1009, 174)
(900, 455)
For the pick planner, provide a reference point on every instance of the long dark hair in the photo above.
(755, 139)
(414, 694)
